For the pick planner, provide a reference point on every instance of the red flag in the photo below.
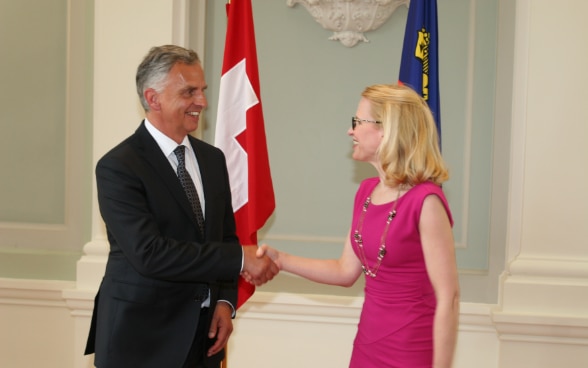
(240, 131)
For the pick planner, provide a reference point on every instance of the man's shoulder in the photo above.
(202, 146)
(123, 148)
(127, 149)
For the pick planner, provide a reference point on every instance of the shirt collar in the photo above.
(165, 143)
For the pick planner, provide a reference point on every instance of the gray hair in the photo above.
(153, 70)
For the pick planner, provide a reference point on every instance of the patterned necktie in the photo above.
(189, 187)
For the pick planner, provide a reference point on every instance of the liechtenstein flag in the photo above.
(419, 67)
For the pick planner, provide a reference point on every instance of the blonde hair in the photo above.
(409, 152)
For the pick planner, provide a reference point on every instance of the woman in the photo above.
(400, 238)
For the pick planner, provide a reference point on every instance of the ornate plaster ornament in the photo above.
(349, 19)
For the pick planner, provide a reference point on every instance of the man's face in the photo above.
(182, 100)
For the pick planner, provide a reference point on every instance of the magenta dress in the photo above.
(396, 324)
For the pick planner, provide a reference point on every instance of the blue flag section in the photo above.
(419, 66)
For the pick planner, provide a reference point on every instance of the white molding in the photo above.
(90, 268)
(39, 293)
(570, 268)
(180, 22)
(67, 235)
(518, 132)
(468, 123)
(299, 238)
(80, 302)
(349, 19)
(196, 40)
(36, 326)
(476, 317)
(548, 329)
(319, 308)
(33, 236)
(302, 308)
(481, 326)
(197, 37)
(545, 287)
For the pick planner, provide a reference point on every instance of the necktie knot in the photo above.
(181, 155)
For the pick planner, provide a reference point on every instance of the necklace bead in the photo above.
(357, 237)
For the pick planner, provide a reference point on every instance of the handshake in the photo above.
(259, 264)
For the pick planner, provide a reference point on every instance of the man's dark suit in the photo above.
(147, 308)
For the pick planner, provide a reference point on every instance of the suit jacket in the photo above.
(147, 308)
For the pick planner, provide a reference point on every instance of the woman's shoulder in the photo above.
(365, 188)
(368, 185)
(421, 191)
(427, 187)
(369, 182)
(417, 194)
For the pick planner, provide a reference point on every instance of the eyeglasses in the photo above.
(355, 121)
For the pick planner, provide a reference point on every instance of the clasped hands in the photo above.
(258, 267)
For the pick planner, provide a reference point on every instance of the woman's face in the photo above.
(366, 135)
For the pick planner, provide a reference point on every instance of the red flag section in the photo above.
(240, 131)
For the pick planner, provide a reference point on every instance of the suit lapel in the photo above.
(149, 149)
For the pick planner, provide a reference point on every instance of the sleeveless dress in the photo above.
(396, 324)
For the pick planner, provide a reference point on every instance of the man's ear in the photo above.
(152, 98)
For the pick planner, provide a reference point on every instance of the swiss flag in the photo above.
(240, 131)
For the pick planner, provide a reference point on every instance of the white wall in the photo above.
(36, 326)
(541, 318)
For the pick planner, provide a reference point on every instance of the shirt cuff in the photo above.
(242, 259)
(231, 305)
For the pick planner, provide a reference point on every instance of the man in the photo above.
(168, 294)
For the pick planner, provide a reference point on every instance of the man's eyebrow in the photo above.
(192, 88)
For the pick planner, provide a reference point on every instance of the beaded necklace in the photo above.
(369, 271)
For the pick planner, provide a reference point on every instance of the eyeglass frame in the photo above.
(355, 121)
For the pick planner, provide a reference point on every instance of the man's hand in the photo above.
(258, 270)
(221, 327)
(274, 254)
